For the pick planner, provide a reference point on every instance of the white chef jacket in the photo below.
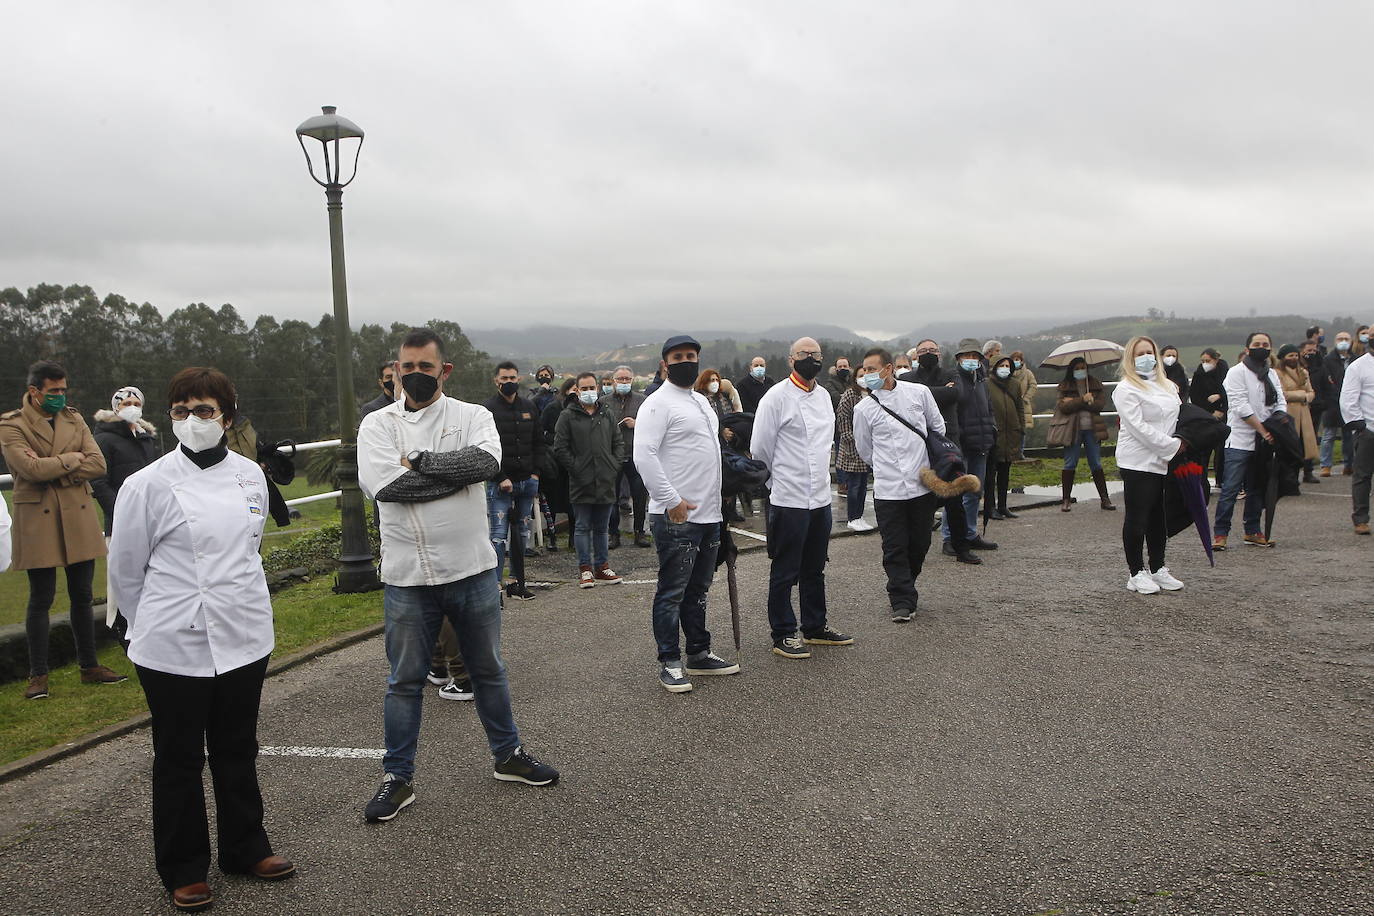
(185, 568)
(794, 430)
(1357, 391)
(4, 536)
(1245, 396)
(445, 539)
(677, 452)
(895, 453)
(1148, 418)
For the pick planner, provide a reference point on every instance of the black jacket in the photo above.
(946, 398)
(1179, 377)
(977, 428)
(125, 452)
(522, 439)
(1206, 384)
(1327, 386)
(751, 390)
(377, 403)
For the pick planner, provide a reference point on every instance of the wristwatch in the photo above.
(413, 457)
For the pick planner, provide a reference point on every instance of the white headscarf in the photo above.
(123, 395)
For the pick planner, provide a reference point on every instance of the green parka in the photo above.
(591, 450)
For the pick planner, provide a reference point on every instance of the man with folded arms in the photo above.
(793, 431)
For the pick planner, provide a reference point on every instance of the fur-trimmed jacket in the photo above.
(126, 450)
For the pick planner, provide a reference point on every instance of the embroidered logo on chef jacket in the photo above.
(254, 503)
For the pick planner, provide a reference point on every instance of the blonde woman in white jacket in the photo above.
(1147, 404)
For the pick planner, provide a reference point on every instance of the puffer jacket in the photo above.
(947, 398)
(977, 428)
(522, 440)
(1005, 398)
(125, 451)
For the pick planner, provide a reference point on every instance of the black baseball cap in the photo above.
(681, 340)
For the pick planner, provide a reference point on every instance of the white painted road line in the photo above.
(365, 753)
(748, 534)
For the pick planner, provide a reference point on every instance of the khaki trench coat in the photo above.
(1297, 391)
(1026, 378)
(56, 522)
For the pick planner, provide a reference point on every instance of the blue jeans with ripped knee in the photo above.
(686, 565)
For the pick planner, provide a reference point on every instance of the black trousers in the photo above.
(639, 498)
(1143, 521)
(799, 545)
(905, 527)
(1002, 475)
(191, 715)
(42, 591)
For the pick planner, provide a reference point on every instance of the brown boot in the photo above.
(1066, 482)
(1100, 479)
(99, 674)
(38, 687)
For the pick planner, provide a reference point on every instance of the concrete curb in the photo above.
(85, 742)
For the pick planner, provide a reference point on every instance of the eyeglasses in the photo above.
(202, 411)
(808, 354)
(924, 350)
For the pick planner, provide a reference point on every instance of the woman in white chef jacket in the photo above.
(185, 569)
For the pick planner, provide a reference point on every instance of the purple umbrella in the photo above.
(1188, 475)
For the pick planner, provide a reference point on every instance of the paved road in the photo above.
(1038, 740)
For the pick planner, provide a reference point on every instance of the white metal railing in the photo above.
(7, 480)
(1050, 415)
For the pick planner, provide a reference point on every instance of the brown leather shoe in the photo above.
(193, 896)
(274, 868)
(38, 687)
(1362, 529)
(1259, 540)
(1326, 472)
(1219, 542)
(99, 674)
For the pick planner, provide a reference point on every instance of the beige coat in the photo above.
(1297, 391)
(1026, 378)
(55, 517)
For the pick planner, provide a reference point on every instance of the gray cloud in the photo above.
(869, 164)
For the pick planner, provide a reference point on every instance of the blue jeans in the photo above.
(856, 484)
(686, 565)
(977, 464)
(501, 508)
(1327, 451)
(1236, 473)
(799, 545)
(589, 533)
(412, 615)
(1086, 440)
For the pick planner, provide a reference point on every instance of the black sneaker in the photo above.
(456, 690)
(790, 647)
(903, 614)
(519, 592)
(673, 679)
(523, 767)
(971, 559)
(948, 550)
(827, 636)
(979, 544)
(438, 675)
(709, 663)
(393, 795)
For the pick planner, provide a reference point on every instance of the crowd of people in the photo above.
(457, 487)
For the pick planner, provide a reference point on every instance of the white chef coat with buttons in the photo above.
(895, 453)
(677, 452)
(1244, 398)
(1357, 391)
(1148, 415)
(185, 568)
(445, 539)
(794, 430)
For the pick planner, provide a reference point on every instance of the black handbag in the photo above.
(948, 474)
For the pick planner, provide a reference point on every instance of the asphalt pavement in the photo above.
(1038, 740)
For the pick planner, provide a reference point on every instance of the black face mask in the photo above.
(842, 374)
(1259, 354)
(929, 361)
(807, 368)
(508, 389)
(545, 380)
(419, 386)
(389, 387)
(682, 374)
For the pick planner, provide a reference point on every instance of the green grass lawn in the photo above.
(1044, 472)
(305, 614)
(14, 586)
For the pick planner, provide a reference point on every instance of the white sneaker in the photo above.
(1165, 579)
(1143, 583)
(860, 525)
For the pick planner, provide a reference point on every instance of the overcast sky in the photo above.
(873, 165)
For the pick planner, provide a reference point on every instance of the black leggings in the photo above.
(42, 590)
(1003, 483)
(1143, 522)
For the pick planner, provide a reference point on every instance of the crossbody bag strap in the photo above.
(896, 416)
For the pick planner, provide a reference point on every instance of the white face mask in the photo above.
(758, 371)
(1003, 372)
(1170, 360)
(197, 434)
(713, 387)
(130, 414)
(1208, 367)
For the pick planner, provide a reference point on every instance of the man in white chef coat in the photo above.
(793, 430)
(425, 460)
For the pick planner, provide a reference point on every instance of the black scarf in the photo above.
(1261, 368)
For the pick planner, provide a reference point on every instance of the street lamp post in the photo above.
(357, 566)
